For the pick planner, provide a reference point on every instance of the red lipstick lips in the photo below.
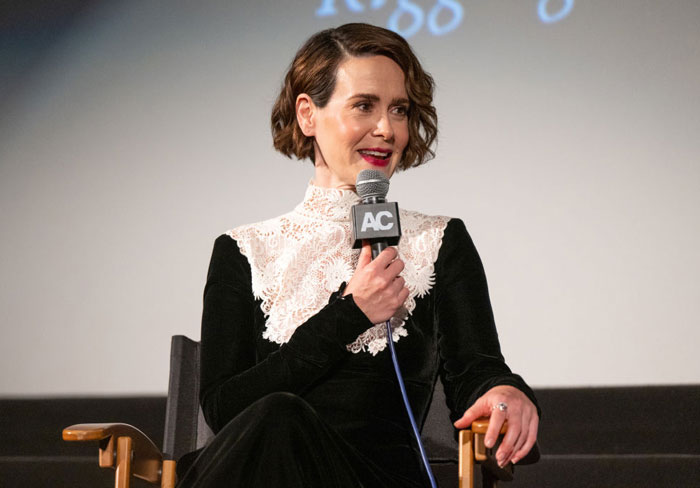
(376, 156)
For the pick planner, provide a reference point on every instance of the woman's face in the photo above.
(364, 125)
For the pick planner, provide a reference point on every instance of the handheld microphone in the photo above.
(375, 219)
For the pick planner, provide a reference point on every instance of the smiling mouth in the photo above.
(375, 156)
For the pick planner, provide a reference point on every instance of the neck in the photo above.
(324, 178)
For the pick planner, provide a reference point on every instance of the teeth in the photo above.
(376, 154)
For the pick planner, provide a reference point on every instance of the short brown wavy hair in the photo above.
(313, 71)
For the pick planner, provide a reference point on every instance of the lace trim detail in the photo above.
(298, 259)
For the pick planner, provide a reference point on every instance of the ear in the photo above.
(306, 110)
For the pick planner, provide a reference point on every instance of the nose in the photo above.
(384, 128)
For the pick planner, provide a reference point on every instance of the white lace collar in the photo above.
(298, 259)
(327, 203)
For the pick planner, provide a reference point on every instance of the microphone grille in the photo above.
(372, 183)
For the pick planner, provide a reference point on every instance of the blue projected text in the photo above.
(443, 17)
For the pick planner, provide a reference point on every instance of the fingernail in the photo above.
(488, 442)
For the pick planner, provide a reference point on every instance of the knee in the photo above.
(276, 412)
(283, 404)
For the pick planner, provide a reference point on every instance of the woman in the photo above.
(296, 377)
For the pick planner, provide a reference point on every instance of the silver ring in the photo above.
(502, 406)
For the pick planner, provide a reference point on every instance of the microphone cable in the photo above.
(372, 186)
(404, 395)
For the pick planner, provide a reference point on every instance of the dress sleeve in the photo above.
(232, 376)
(470, 355)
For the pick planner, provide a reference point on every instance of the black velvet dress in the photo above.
(311, 413)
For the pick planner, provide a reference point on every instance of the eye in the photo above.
(364, 106)
(401, 110)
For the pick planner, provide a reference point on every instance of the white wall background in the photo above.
(571, 151)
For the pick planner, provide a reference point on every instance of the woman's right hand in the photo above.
(376, 286)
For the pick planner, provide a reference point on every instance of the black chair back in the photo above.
(186, 430)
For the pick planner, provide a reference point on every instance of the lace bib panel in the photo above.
(298, 259)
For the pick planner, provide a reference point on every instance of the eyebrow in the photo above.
(375, 98)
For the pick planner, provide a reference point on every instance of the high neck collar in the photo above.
(327, 203)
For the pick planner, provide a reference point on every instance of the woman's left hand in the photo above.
(522, 421)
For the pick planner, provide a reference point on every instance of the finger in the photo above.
(365, 255)
(385, 258)
(403, 294)
(479, 409)
(518, 445)
(496, 421)
(397, 285)
(396, 266)
(522, 438)
(531, 439)
(506, 448)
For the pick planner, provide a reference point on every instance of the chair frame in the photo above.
(130, 452)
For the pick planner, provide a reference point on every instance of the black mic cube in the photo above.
(376, 222)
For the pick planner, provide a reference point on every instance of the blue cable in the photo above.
(414, 426)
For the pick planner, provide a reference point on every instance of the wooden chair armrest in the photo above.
(146, 462)
(479, 428)
(472, 449)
